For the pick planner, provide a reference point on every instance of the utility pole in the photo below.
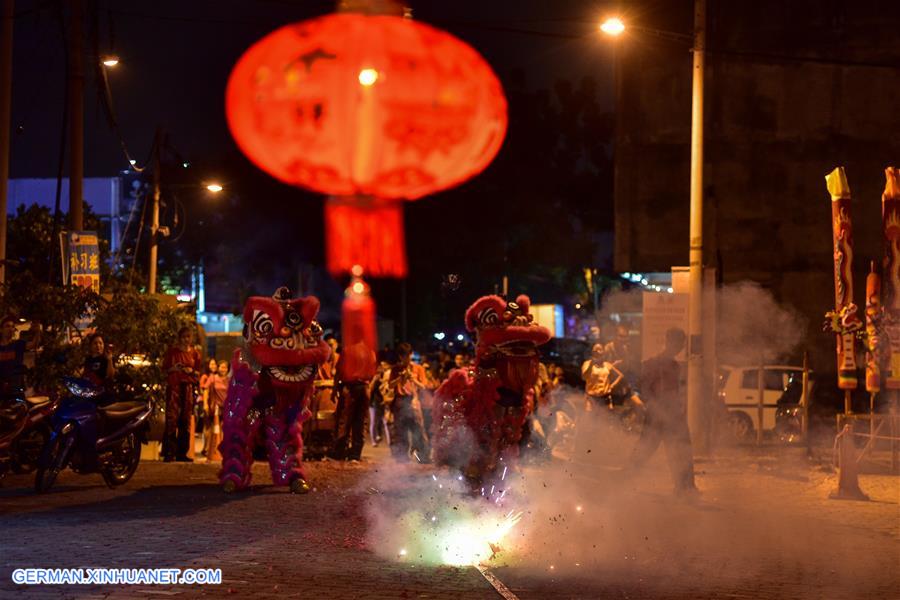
(695, 384)
(6, 50)
(76, 115)
(154, 218)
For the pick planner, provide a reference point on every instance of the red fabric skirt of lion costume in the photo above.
(264, 411)
(479, 412)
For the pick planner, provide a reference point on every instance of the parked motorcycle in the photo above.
(24, 429)
(94, 431)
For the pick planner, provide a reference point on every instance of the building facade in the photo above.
(793, 89)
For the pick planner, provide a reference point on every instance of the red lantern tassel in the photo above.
(365, 231)
(359, 339)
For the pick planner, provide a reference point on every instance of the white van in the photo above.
(738, 391)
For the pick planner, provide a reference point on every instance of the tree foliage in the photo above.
(134, 324)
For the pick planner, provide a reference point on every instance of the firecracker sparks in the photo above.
(454, 537)
(473, 541)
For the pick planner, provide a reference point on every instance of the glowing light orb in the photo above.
(612, 26)
(368, 77)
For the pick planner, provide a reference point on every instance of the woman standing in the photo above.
(99, 367)
(217, 390)
(201, 414)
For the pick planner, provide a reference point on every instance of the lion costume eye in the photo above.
(261, 324)
(488, 316)
(293, 319)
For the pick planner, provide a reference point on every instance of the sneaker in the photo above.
(299, 486)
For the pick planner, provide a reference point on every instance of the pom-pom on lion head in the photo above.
(505, 327)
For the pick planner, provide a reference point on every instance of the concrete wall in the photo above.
(774, 128)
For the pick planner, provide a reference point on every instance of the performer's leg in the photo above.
(385, 426)
(399, 435)
(373, 425)
(342, 418)
(171, 430)
(420, 444)
(186, 408)
(679, 453)
(240, 434)
(651, 436)
(284, 446)
(358, 401)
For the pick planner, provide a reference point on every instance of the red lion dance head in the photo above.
(284, 337)
(507, 339)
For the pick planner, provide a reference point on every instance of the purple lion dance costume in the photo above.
(285, 339)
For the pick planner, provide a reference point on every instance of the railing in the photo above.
(881, 428)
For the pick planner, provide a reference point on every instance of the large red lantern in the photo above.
(371, 110)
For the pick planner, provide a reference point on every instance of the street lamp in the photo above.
(613, 26)
(110, 60)
(215, 188)
(696, 421)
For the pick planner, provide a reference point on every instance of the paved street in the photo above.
(762, 529)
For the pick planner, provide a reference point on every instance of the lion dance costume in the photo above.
(480, 412)
(267, 409)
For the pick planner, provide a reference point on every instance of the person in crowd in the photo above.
(201, 407)
(620, 353)
(354, 370)
(533, 433)
(212, 367)
(460, 361)
(99, 367)
(600, 379)
(180, 364)
(666, 419)
(12, 357)
(443, 365)
(401, 390)
(378, 427)
(328, 369)
(557, 377)
(426, 392)
(216, 392)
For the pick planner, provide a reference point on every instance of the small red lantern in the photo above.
(372, 109)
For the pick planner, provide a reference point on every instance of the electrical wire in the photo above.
(105, 92)
(137, 243)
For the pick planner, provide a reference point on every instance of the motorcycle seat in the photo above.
(122, 410)
(37, 400)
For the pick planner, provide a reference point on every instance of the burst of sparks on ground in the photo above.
(475, 540)
(450, 527)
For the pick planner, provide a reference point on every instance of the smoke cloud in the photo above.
(751, 325)
(585, 520)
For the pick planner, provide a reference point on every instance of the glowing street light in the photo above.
(215, 188)
(695, 408)
(613, 26)
(110, 60)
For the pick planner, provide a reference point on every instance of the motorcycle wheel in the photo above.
(128, 456)
(54, 458)
(27, 451)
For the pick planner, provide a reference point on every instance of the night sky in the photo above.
(175, 60)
